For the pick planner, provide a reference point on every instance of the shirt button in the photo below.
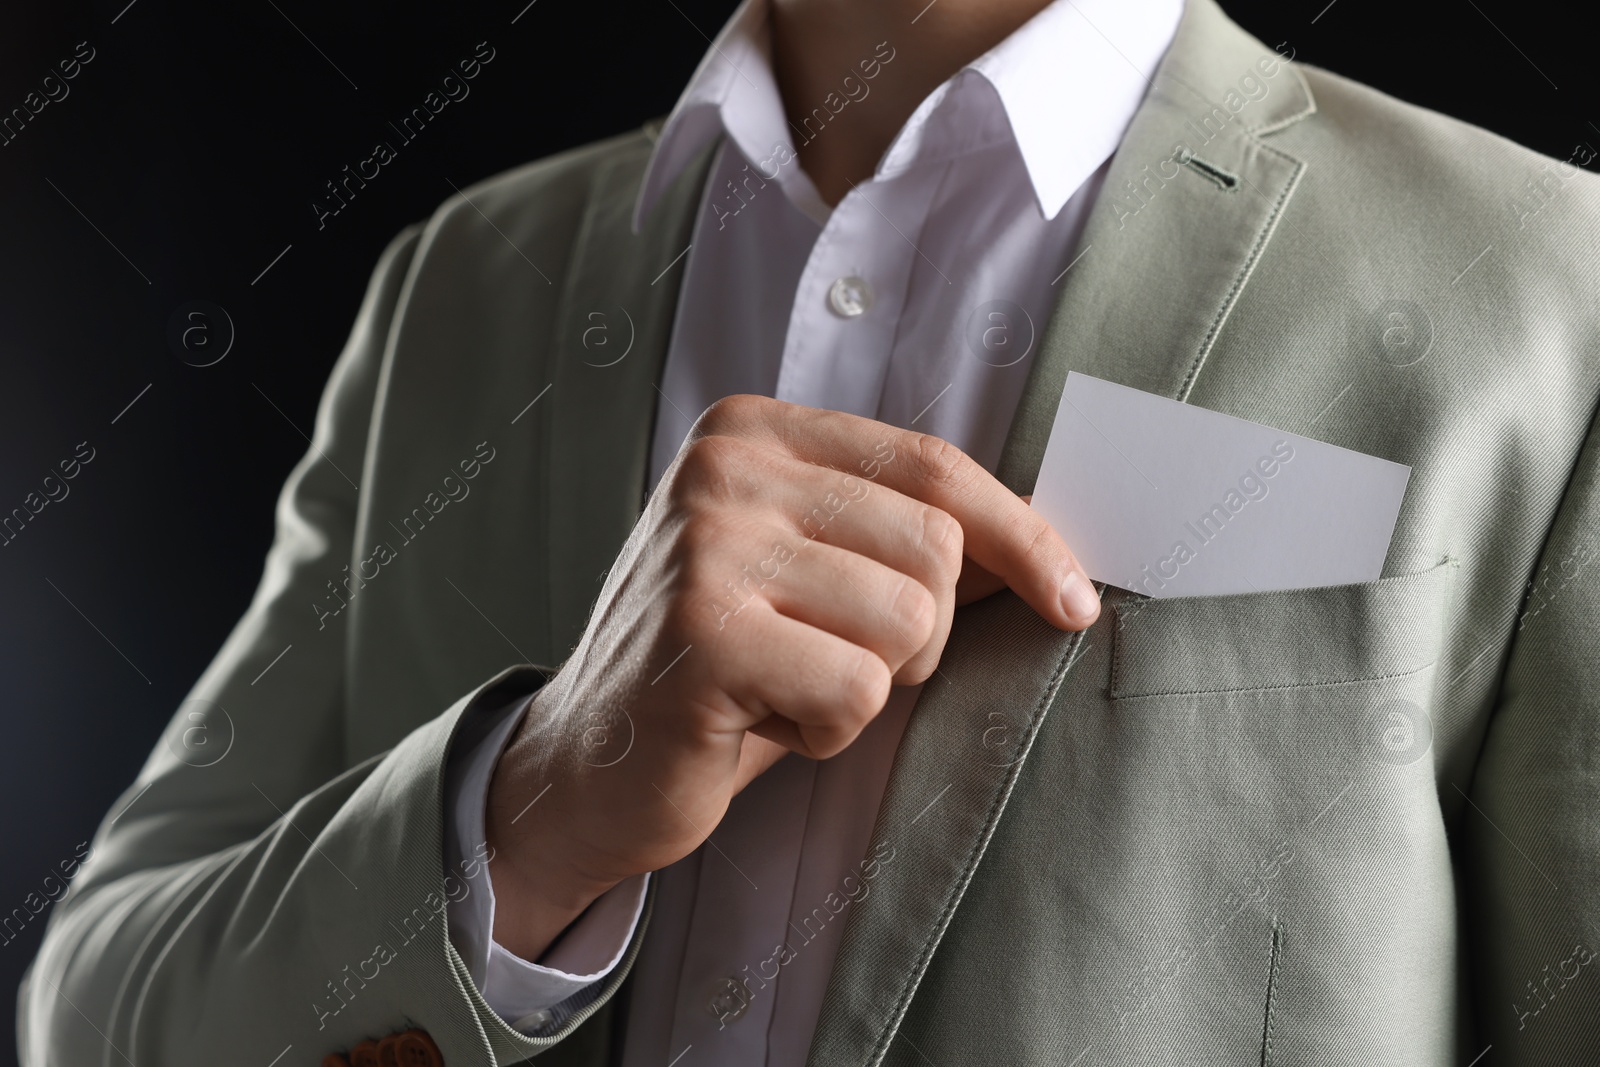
(850, 297)
(536, 1021)
(729, 999)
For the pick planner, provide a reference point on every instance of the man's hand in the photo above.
(792, 565)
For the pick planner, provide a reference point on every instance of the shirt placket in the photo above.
(851, 295)
(745, 893)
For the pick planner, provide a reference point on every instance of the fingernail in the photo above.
(1078, 597)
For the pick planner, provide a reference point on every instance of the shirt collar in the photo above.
(1063, 88)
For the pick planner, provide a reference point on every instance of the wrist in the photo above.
(531, 913)
(540, 880)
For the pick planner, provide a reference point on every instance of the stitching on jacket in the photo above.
(1267, 688)
(1248, 269)
(1269, 1025)
(881, 1047)
(1118, 654)
(1210, 171)
(1309, 109)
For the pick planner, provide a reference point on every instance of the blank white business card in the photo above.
(1170, 499)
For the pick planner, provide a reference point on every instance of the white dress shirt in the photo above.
(917, 300)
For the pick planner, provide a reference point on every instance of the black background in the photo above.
(195, 142)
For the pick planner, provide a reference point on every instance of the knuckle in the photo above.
(698, 461)
(915, 611)
(729, 413)
(709, 467)
(943, 540)
(706, 714)
(939, 461)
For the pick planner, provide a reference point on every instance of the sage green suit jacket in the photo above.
(1353, 825)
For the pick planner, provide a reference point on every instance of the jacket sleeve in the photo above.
(1532, 829)
(251, 898)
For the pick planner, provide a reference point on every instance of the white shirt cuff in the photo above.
(529, 996)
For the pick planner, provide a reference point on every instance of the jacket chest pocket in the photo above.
(1329, 636)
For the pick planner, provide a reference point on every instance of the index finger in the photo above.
(1001, 532)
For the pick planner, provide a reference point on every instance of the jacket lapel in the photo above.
(1165, 254)
(1164, 259)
